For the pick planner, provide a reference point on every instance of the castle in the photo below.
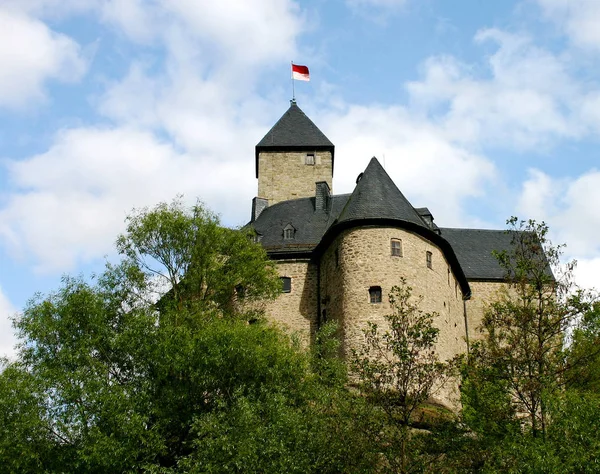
(338, 256)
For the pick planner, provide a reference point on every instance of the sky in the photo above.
(479, 110)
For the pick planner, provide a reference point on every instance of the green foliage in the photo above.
(190, 253)
(523, 343)
(583, 355)
(108, 381)
(398, 370)
(516, 408)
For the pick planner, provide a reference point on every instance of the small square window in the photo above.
(286, 284)
(396, 247)
(310, 159)
(428, 258)
(375, 294)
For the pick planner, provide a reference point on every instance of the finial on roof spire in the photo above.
(292, 101)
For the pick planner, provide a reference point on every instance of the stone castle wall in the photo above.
(482, 294)
(364, 260)
(296, 311)
(285, 175)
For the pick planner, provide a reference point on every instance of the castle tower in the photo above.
(291, 158)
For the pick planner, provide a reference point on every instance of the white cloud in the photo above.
(416, 154)
(539, 196)
(70, 202)
(578, 18)
(66, 205)
(587, 273)
(31, 54)
(523, 98)
(568, 206)
(248, 32)
(7, 337)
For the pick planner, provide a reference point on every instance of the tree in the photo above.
(524, 330)
(188, 252)
(583, 354)
(517, 389)
(398, 370)
(106, 380)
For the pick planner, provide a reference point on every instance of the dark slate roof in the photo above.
(310, 224)
(294, 131)
(474, 248)
(377, 197)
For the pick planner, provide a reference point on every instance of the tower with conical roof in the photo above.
(292, 157)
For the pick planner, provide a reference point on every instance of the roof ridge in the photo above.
(473, 229)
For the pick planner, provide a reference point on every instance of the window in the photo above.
(310, 159)
(396, 247)
(428, 257)
(375, 294)
(288, 232)
(286, 284)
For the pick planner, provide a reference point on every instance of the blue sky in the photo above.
(479, 109)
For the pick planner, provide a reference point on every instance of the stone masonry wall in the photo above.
(482, 294)
(285, 175)
(364, 260)
(296, 311)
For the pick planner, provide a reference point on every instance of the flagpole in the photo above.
(293, 85)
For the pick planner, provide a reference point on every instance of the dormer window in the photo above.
(309, 159)
(289, 232)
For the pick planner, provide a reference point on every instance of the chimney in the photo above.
(322, 196)
(258, 205)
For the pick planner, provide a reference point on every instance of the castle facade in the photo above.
(338, 256)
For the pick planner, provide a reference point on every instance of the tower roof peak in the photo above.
(377, 197)
(294, 131)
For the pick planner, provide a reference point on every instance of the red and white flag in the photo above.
(300, 73)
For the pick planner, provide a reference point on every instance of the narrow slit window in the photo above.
(310, 159)
(428, 259)
(375, 294)
(286, 284)
(396, 245)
